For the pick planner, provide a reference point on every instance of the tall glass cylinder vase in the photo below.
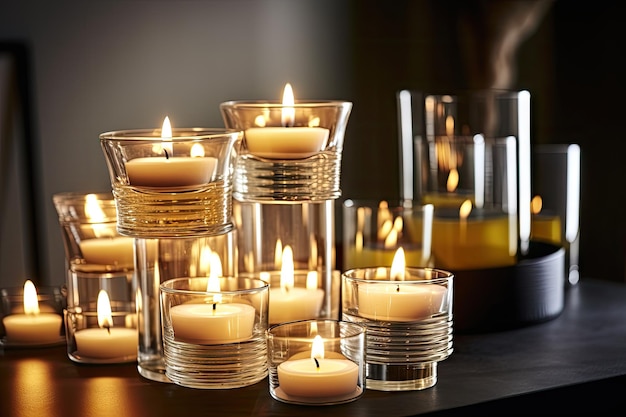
(286, 179)
(173, 191)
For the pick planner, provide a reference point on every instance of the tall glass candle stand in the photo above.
(173, 190)
(286, 180)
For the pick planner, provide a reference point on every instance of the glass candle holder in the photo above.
(316, 362)
(214, 331)
(468, 154)
(102, 327)
(31, 316)
(374, 230)
(291, 151)
(160, 260)
(408, 317)
(97, 258)
(178, 186)
(294, 242)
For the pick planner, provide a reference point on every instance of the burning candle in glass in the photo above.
(170, 170)
(106, 247)
(106, 341)
(212, 322)
(289, 141)
(33, 326)
(289, 303)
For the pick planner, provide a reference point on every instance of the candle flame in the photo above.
(453, 180)
(449, 125)
(466, 209)
(287, 270)
(166, 135)
(536, 205)
(105, 317)
(259, 121)
(288, 116)
(213, 283)
(96, 215)
(31, 304)
(317, 349)
(398, 265)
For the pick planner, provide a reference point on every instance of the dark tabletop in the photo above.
(574, 364)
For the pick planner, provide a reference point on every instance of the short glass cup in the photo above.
(408, 320)
(316, 362)
(214, 331)
(31, 316)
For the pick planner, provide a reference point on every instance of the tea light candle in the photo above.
(106, 341)
(317, 377)
(108, 251)
(169, 171)
(32, 327)
(396, 301)
(289, 303)
(286, 142)
(212, 323)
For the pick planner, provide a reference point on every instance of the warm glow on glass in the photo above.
(536, 204)
(105, 317)
(449, 125)
(278, 254)
(288, 116)
(31, 304)
(317, 349)
(453, 180)
(398, 265)
(466, 209)
(96, 215)
(196, 150)
(287, 269)
(311, 280)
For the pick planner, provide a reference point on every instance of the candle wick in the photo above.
(317, 364)
(108, 328)
(167, 156)
(214, 306)
(398, 288)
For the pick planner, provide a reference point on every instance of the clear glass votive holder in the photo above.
(316, 362)
(32, 316)
(290, 151)
(214, 331)
(178, 186)
(408, 317)
(374, 230)
(101, 322)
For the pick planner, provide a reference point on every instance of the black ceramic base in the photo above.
(503, 298)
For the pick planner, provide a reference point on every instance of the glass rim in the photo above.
(179, 134)
(167, 287)
(299, 104)
(355, 330)
(442, 277)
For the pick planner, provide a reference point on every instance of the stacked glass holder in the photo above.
(98, 259)
(174, 197)
(286, 180)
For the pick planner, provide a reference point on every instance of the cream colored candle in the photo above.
(210, 324)
(32, 327)
(316, 377)
(109, 251)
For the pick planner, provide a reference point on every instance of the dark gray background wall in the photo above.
(106, 65)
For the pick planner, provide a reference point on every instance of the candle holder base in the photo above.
(388, 377)
(153, 370)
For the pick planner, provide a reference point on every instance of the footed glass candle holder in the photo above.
(31, 316)
(316, 362)
(171, 184)
(214, 331)
(408, 316)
